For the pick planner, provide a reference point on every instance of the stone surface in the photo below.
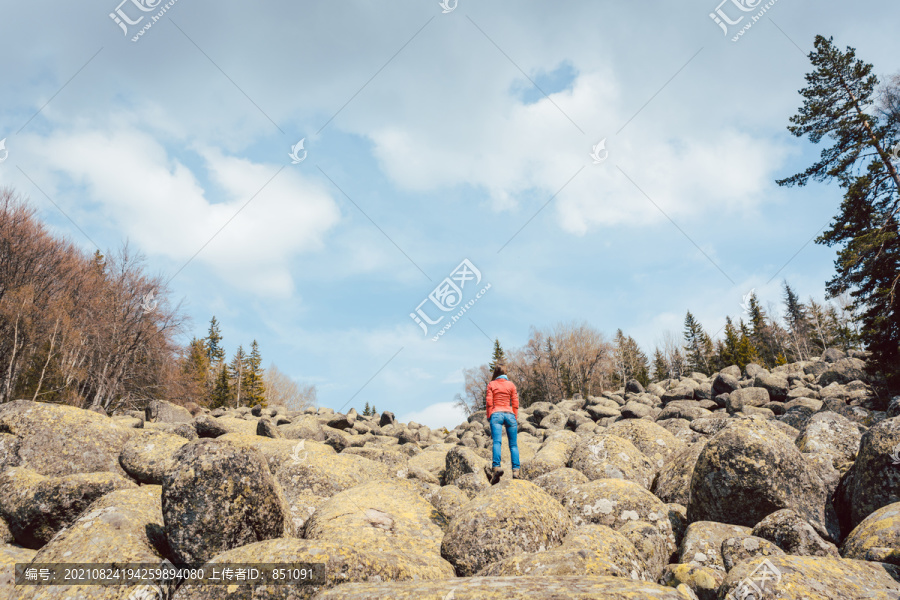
(219, 496)
(605, 456)
(509, 518)
(790, 532)
(149, 455)
(749, 470)
(36, 507)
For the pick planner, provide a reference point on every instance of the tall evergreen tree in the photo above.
(254, 389)
(697, 345)
(838, 103)
(660, 366)
(498, 357)
(215, 353)
(221, 391)
(798, 327)
(238, 374)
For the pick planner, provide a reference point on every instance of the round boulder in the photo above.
(605, 456)
(220, 496)
(510, 518)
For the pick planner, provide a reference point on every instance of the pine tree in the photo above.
(838, 102)
(366, 410)
(698, 345)
(253, 383)
(660, 366)
(498, 357)
(221, 392)
(728, 354)
(195, 366)
(797, 322)
(215, 353)
(374, 411)
(238, 374)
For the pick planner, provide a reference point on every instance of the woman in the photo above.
(502, 411)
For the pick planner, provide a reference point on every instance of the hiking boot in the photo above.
(495, 476)
(516, 474)
(487, 472)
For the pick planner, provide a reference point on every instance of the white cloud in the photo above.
(440, 414)
(157, 202)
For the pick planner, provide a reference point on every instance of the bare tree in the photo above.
(281, 390)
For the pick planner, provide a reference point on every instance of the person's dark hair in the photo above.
(498, 371)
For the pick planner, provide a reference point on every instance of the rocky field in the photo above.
(782, 483)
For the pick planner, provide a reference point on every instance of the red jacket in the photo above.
(502, 397)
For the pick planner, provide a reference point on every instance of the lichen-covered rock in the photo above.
(673, 483)
(683, 409)
(843, 371)
(703, 581)
(511, 517)
(816, 578)
(790, 532)
(654, 441)
(736, 550)
(604, 456)
(749, 470)
(149, 455)
(37, 507)
(429, 460)
(563, 587)
(325, 475)
(702, 543)
(833, 434)
(9, 556)
(396, 462)
(184, 430)
(306, 427)
(343, 564)
(776, 385)
(56, 440)
(653, 545)
(380, 515)
(746, 397)
(874, 480)
(124, 526)
(276, 452)
(462, 461)
(553, 454)
(220, 496)
(162, 411)
(558, 482)
(615, 502)
(587, 550)
(208, 426)
(677, 514)
(448, 499)
(881, 529)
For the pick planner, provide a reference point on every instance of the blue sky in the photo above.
(431, 138)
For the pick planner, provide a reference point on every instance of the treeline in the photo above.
(210, 380)
(98, 332)
(571, 359)
(81, 329)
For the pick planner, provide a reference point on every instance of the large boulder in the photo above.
(57, 440)
(605, 456)
(149, 455)
(878, 532)
(342, 564)
(874, 479)
(615, 502)
(843, 371)
(832, 434)
(702, 543)
(736, 550)
(220, 496)
(740, 399)
(553, 454)
(510, 518)
(558, 482)
(654, 441)
(10, 555)
(587, 550)
(461, 461)
(162, 411)
(381, 515)
(673, 483)
(786, 529)
(276, 452)
(813, 577)
(37, 507)
(704, 582)
(122, 527)
(208, 426)
(749, 470)
(562, 587)
(777, 386)
(325, 475)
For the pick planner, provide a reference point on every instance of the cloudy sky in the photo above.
(431, 135)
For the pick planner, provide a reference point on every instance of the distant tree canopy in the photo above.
(94, 330)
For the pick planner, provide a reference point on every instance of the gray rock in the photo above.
(776, 385)
(208, 427)
(220, 496)
(790, 532)
(772, 475)
(749, 396)
(266, 428)
(736, 550)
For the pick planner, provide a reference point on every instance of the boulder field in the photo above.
(781, 483)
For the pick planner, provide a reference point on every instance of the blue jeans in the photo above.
(499, 420)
